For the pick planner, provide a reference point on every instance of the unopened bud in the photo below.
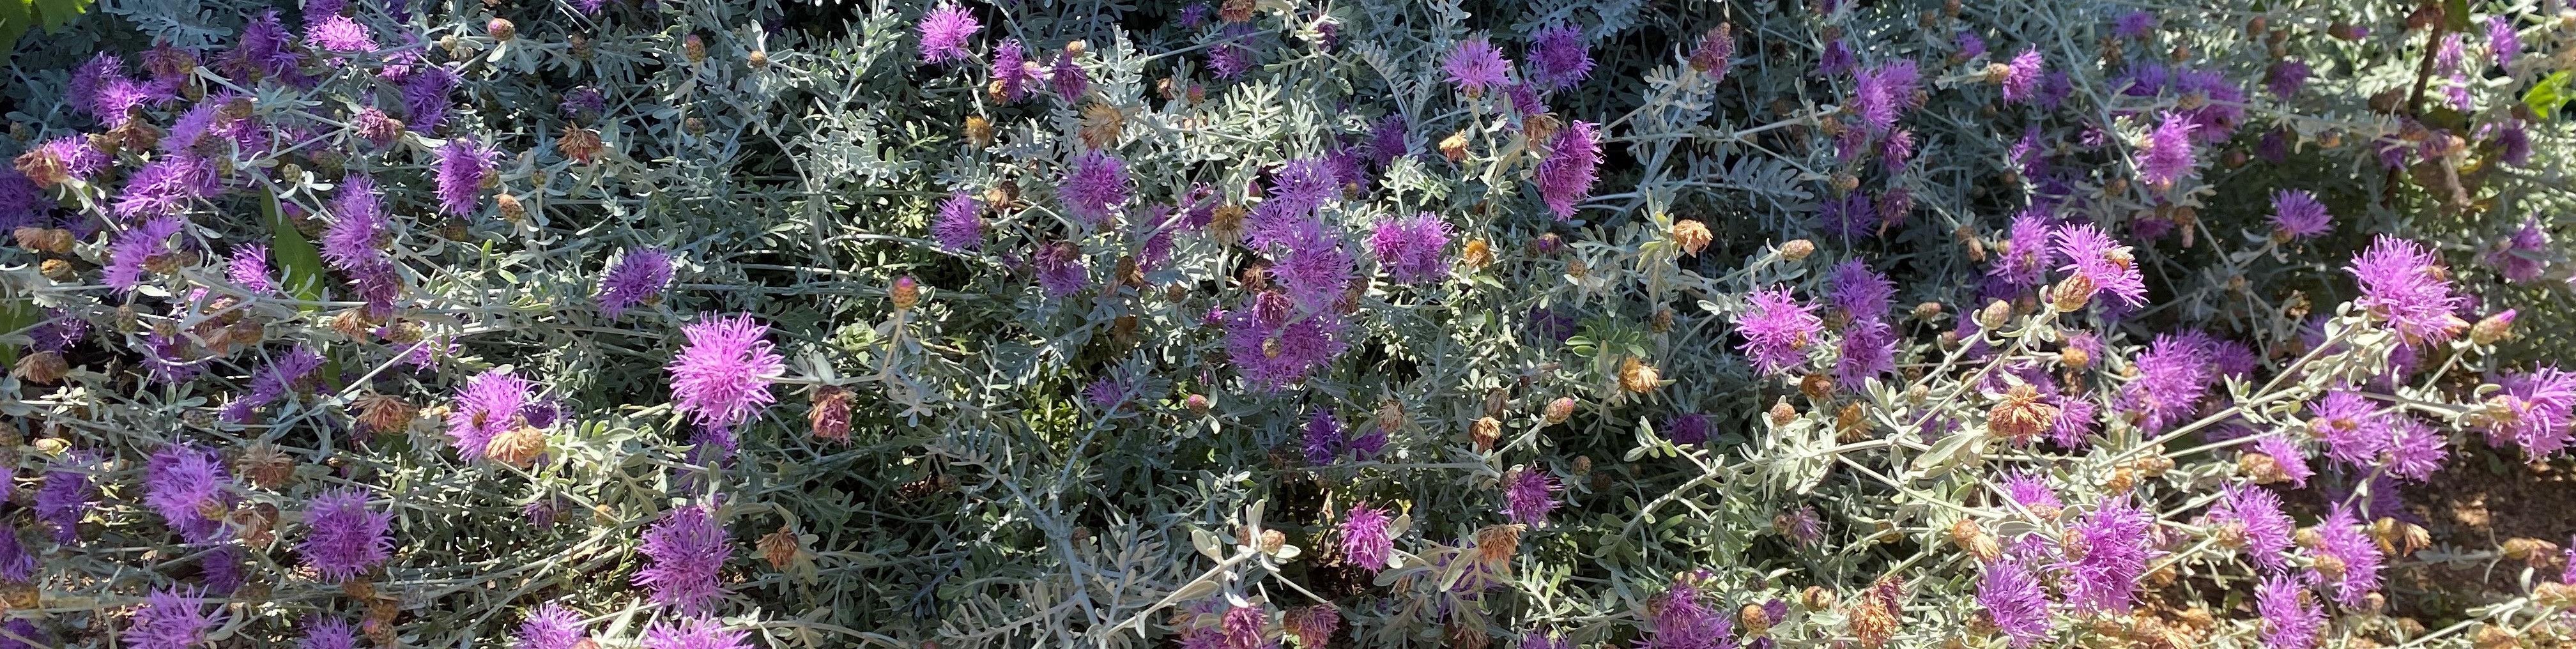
(1782, 413)
(1995, 315)
(501, 29)
(2492, 328)
(1559, 410)
(1797, 249)
(694, 47)
(905, 293)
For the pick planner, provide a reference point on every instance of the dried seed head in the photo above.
(780, 547)
(1816, 386)
(2020, 416)
(43, 167)
(1454, 147)
(580, 144)
(1495, 544)
(384, 413)
(1485, 432)
(42, 368)
(2532, 552)
(266, 465)
(58, 270)
(1691, 235)
(1477, 254)
(1638, 377)
(519, 446)
(1816, 598)
(1662, 321)
(830, 417)
(979, 131)
(2261, 468)
(1782, 413)
(1226, 223)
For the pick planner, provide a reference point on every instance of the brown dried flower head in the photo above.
(2020, 416)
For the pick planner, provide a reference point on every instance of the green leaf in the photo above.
(2456, 14)
(16, 313)
(2545, 97)
(299, 263)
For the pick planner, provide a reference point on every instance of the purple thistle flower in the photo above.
(463, 166)
(1011, 67)
(2450, 53)
(2135, 24)
(1229, 60)
(699, 633)
(2289, 455)
(1525, 100)
(960, 225)
(638, 276)
(2075, 422)
(1411, 248)
(136, 249)
(1061, 272)
(686, 548)
(2523, 257)
(584, 102)
(1195, 15)
(1716, 51)
(1275, 346)
(1895, 151)
(1859, 292)
(2297, 213)
(1559, 58)
(1777, 330)
(1069, 80)
(2502, 41)
(328, 633)
(2166, 155)
(1565, 177)
(2254, 515)
(90, 79)
(182, 482)
(944, 32)
(68, 493)
(2024, 263)
(1687, 428)
(2415, 450)
(1884, 92)
(486, 407)
(249, 269)
(2021, 77)
(2032, 492)
(16, 565)
(80, 160)
(551, 626)
(2353, 430)
(1682, 621)
(2104, 555)
(1386, 140)
(722, 376)
(339, 34)
(266, 50)
(2402, 286)
(165, 186)
(1323, 438)
(171, 620)
(1476, 66)
(221, 570)
(2173, 374)
(1868, 351)
(424, 97)
(2102, 260)
(2532, 411)
(344, 539)
(1096, 187)
(1244, 627)
(1836, 59)
(2290, 619)
(1802, 526)
(358, 229)
(2012, 598)
(1527, 495)
(1364, 540)
(1314, 268)
(2346, 557)
(2286, 77)
(24, 628)
(1970, 45)
(273, 383)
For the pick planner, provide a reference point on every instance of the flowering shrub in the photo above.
(701, 325)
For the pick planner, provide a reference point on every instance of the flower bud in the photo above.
(1756, 621)
(1477, 254)
(2075, 357)
(1197, 403)
(1782, 413)
(2072, 294)
(519, 446)
(1927, 311)
(1816, 598)
(979, 131)
(905, 293)
(510, 207)
(694, 47)
(44, 240)
(501, 29)
(1797, 249)
(1559, 410)
(1973, 538)
(758, 59)
(2492, 328)
(58, 270)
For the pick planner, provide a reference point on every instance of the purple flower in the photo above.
(1777, 330)
(273, 383)
(551, 626)
(687, 548)
(1682, 621)
(1275, 345)
(1069, 80)
(1364, 540)
(80, 160)
(2532, 411)
(2450, 53)
(1244, 627)
(2012, 598)
(327, 633)
(2075, 422)
(1868, 351)
(2135, 24)
(638, 276)
(2173, 374)
(2166, 155)
(249, 269)
(1313, 267)
(1565, 176)
(485, 408)
(182, 483)
(2021, 77)
(2288, 455)
(424, 97)
(463, 166)
(92, 78)
(1229, 60)
(2104, 555)
(1884, 92)
(2415, 450)
(1011, 67)
(2286, 77)
(344, 539)
(584, 102)
(722, 376)
(171, 620)
(339, 34)
(2254, 515)
(24, 628)
(2298, 214)
(2290, 619)
(1970, 45)
(1527, 495)
(2024, 263)
(2102, 260)
(1896, 151)
(1095, 188)
(16, 565)
(1859, 292)
(2402, 285)
(2346, 557)
(960, 225)
(1387, 140)
(2351, 427)
(2501, 40)
(1687, 428)
(2523, 258)
(1476, 66)
(165, 186)
(944, 32)
(137, 249)
(68, 493)
(2032, 492)
(1559, 58)
(699, 633)
(266, 50)
(1836, 59)
(1323, 438)
(1716, 51)
(1411, 248)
